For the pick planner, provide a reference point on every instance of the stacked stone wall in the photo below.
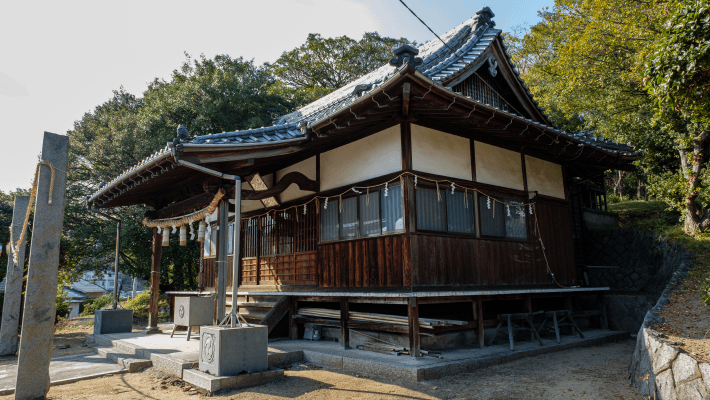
(636, 267)
(660, 368)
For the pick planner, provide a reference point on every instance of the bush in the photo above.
(62, 305)
(91, 305)
(705, 291)
(141, 303)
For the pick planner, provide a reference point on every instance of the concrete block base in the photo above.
(113, 321)
(213, 383)
(231, 351)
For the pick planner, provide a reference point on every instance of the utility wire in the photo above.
(459, 57)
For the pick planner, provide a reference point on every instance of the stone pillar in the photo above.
(155, 281)
(36, 341)
(13, 284)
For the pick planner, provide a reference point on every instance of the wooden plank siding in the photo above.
(369, 262)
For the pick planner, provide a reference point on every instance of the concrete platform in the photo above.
(170, 355)
(176, 355)
(64, 370)
(331, 354)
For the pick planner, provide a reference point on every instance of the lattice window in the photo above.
(480, 90)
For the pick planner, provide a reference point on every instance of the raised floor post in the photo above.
(344, 316)
(413, 313)
(479, 315)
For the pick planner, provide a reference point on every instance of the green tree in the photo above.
(678, 79)
(322, 65)
(205, 95)
(586, 61)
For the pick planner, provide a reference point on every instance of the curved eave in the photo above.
(151, 176)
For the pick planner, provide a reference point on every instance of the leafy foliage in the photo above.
(322, 65)
(62, 305)
(141, 303)
(91, 305)
(586, 63)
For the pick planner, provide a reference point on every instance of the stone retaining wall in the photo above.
(672, 373)
(640, 264)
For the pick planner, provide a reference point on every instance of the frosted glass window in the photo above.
(348, 218)
(459, 212)
(498, 223)
(515, 222)
(392, 210)
(329, 220)
(370, 214)
(431, 210)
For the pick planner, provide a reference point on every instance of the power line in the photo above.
(459, 57)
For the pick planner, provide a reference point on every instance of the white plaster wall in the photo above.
(440, 153)
(498, 166)
(308, 168)
(544, 177)
(367, 158)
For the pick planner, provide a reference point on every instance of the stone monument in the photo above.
(230, 351)
(13, 284)
(38, 320)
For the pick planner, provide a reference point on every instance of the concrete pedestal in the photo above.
(230, 351)
(194, 311)
(113, 321)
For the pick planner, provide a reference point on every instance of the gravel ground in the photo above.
(590, 373)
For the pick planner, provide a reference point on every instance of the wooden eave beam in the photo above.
(292, 177)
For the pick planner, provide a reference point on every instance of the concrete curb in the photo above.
(70, 380)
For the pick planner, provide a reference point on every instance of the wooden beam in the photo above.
(292, 177)
(277, 312)
(413, 314)
(244, 155)
(479, 314)
(257, 183)
(182, 207)
(406, 89)
(344, 316)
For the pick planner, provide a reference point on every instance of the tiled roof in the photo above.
(469, 41)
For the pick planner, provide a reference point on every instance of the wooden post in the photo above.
(479, 313)
(292, 325)
(36, 342)
(413, 313)
(529, 310)
(602, 301)
(222, 249)
(155, 281)
(344, 316)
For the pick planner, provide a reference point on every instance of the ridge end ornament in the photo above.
(492, 65)
(405, 54)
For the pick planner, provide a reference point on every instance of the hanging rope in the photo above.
(186, 219)
(15, 247)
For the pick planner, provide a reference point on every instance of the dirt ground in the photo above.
(688, 322)
(590, 373)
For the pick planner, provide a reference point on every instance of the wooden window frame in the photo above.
(526, 239)
(357, 206)
(476, 222)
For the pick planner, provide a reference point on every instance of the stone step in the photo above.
(126, 360)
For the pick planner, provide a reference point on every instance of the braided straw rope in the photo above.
(15, 247)
(186, 219)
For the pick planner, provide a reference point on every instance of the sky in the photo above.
(59, 60)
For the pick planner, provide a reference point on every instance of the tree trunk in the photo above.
(697, 219)
(639, 191)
